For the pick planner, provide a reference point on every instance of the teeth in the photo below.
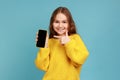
(61, 29)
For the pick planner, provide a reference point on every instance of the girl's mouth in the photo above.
(61, 29)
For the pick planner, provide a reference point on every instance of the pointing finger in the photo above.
(66, 32)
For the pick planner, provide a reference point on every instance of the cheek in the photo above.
(66, 26)
(55, 24)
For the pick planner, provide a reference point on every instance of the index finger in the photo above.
(66, 32)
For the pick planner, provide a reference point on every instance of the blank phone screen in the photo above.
(41, 38)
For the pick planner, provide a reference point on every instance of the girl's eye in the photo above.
(56, 21)
(64, 21)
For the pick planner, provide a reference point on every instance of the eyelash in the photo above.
(64, 22)
(56, 21)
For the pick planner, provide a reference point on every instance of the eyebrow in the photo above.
(62, 20)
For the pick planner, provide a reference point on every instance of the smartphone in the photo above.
(41, 38)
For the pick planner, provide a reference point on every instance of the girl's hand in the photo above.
(63, 39)
(36, 37)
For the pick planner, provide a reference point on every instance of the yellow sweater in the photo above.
(62, 62)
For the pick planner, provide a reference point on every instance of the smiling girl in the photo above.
(64, 52)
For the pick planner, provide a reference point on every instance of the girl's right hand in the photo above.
(36, 37)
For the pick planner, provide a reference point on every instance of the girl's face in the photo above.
(60, 24)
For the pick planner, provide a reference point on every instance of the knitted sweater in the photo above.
(62, 62)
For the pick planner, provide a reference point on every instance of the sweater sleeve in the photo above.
(76, 50)
(42, 59)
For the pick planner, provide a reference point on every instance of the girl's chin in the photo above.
(61, 33)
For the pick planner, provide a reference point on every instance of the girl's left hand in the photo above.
(63, 39)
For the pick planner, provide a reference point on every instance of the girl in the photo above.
(64, 51)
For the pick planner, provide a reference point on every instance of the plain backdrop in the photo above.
(97, 21)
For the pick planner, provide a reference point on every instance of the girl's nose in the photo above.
(60, 25)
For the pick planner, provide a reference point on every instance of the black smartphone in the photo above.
(41, 38)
